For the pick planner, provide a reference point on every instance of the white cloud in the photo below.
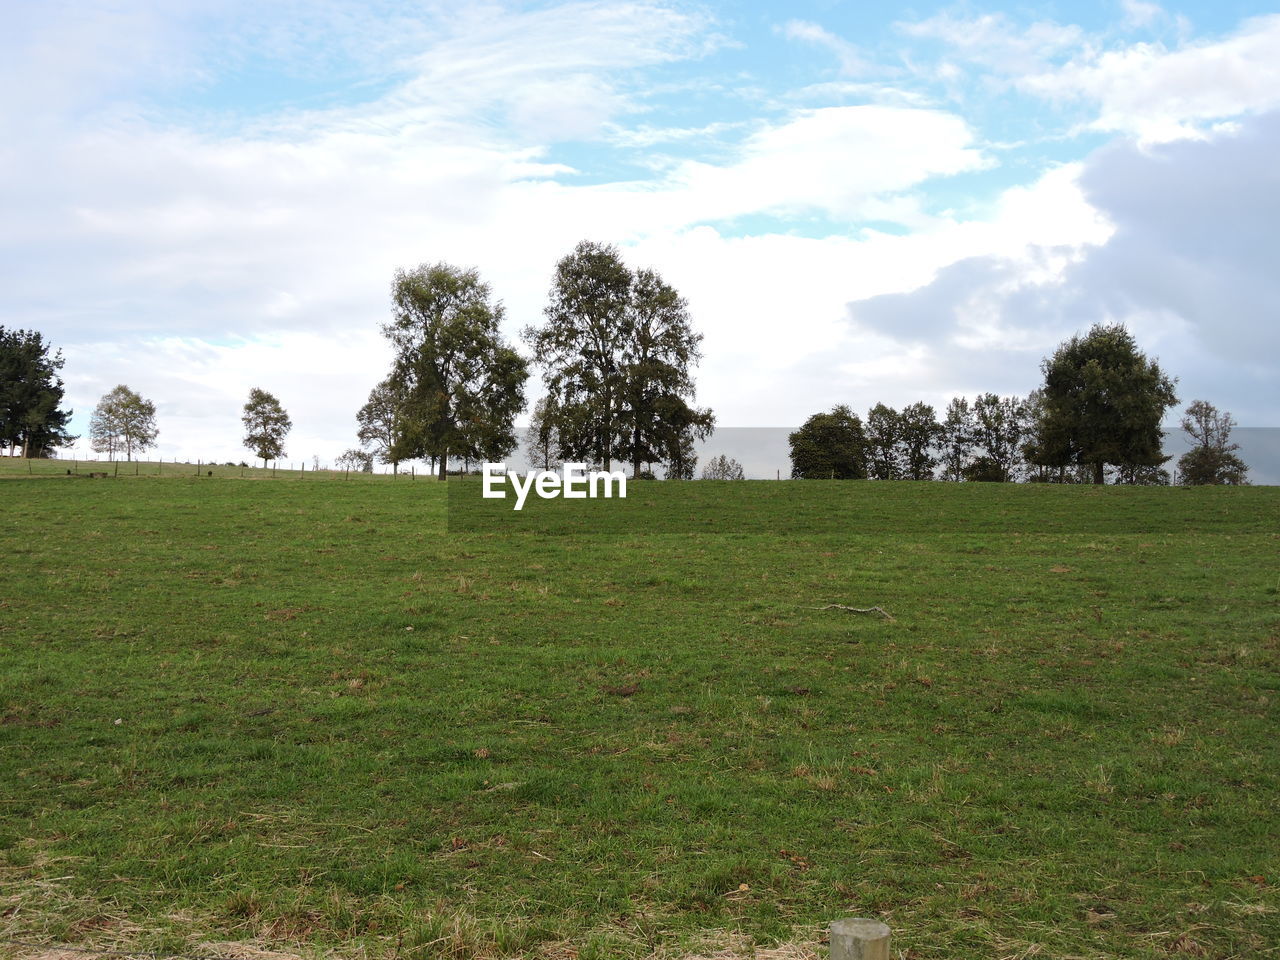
(837, 161)
(1139, 13)
(996, 43)
(851, 61)
(1160, 94)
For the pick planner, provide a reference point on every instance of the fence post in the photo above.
(859, 938)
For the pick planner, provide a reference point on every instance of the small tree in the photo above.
(382, 425)
(542, 439)
(266, 425)
(829, 446)
(1212, 460)
(354, 459)
(123, 420)
(721, 467)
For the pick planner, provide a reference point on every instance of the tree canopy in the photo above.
(123, 421)
(266, 425)
(1102, 404)
(830, 446)
(1212, 459)
(461, 384)
(31, 392)
(617, 349)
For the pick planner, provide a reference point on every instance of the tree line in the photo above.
(1098, 414)
(617, 349)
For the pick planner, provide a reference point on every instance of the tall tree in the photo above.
(918, 433)
(123, 420)
(382, 426)
(829, 446)
(462, 382)
(1103, 403)
(884, 429)
(582, 349)
(1212, 459)
(31, 392)
(955, 438)
(999, 426)
(657, 353)
(266, 425)
(617, 351)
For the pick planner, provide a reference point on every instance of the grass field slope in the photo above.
(315, 714)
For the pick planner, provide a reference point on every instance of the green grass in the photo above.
(309, 714)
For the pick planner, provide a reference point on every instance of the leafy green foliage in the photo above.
(617, 350)
(1102, 404)
(542, 441)
(382, 424)
(266, 425)
(123, 421)
(1213, 459)
(956, 438)
(458, 384)
(31, 392)
(884, 429)
(830, 446)
(999, 426)
(721, 467)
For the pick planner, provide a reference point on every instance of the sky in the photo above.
(861, 203)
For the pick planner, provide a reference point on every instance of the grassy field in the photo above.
(319, 716)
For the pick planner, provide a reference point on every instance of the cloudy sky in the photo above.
(861, 202)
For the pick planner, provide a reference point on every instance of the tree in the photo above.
(462, 384)
(659, 348)
(542, 440)
(581, 349)
(829, 446)
(123, 420)
(617, 350)
(679, 425)
(1212, 460)
(356, 459)
(723, 468)
(883, 431)
(266, 425)
(955, 438)
(1103, 402)
(382, 426)
(999, 425)
(31, 392)
(918, 433)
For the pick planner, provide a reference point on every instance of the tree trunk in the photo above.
(1098, 476)
(443, 471)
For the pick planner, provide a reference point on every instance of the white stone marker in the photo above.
(859, 939)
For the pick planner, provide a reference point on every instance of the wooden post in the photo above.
(859, 938)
